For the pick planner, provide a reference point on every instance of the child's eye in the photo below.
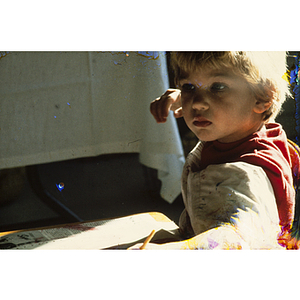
(218, 87)
(187, 87)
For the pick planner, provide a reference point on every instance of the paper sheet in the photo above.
(116, 233)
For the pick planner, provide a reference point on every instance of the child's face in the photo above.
(218, 105)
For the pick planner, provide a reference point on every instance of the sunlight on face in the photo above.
(218, 105)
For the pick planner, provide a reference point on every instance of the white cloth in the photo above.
(233, 193)
(63, 105)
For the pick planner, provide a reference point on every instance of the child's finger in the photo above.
(178, 113)
(176, 98)
(164, 107)
(155, 110)
(169, 101)
(161, 106)
(159, 109)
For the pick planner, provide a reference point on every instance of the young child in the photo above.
(237, 182)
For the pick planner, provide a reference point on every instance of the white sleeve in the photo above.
(236, 194)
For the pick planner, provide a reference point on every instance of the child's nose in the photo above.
(200, 101)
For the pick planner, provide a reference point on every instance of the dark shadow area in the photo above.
(107, 186)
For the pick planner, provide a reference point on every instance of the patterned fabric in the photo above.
(236, 194)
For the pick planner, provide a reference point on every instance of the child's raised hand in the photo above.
(170, 100)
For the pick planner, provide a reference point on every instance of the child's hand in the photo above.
(170, 100)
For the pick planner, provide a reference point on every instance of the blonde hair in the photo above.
(263, 70)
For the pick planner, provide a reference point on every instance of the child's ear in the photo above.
(261, 106)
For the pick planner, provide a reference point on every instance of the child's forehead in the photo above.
(209, 71)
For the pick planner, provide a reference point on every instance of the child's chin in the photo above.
(204, 135)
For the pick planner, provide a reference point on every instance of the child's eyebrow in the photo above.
(213, 73)
(220, 75)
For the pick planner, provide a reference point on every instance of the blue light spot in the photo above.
(60, 186)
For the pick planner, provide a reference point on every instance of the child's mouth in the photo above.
(202, 123)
